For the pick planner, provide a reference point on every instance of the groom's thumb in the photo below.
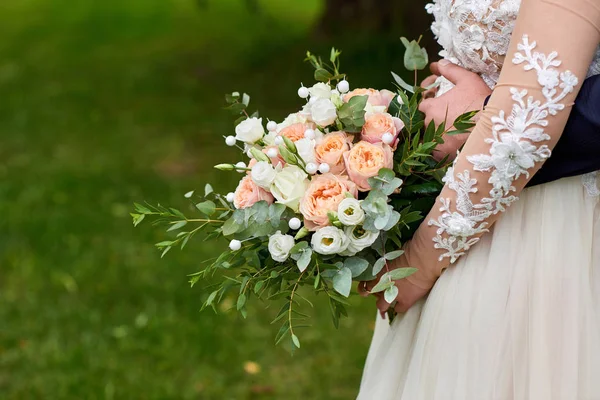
(450, 71)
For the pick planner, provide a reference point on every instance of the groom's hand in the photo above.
(468, 94)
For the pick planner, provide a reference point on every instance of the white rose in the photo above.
(250, 130)
(280, 246)
(289, 186)
(350, 213)
(359, 239)
(323, 112)
(329, 240)
(263, 174)
(320, 90)
(306, 150)
(295, 118)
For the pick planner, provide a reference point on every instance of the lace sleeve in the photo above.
(550, 51)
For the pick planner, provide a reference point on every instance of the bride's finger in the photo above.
(430, 80)
(382, 305)
(362, 289)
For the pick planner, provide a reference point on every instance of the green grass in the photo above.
(103, 103)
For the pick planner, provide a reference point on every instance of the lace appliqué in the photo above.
(591, 184)
(514, 150)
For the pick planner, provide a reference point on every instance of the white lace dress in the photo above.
(518, 316)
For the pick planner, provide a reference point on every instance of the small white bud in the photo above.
(278, 140)
(324, 168)
(303, 92)
(230, 141)
(311, 168)
(387, 138)
(230, 197)
(295, 223)
(241, 164)
(272, 152)
(235, 245)
(271, 126)
(399, 100)
(343, 86)
(309, 134)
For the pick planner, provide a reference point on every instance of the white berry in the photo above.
(230, 196)
(241, 164)
(235, 245)
(309, 134)
(399, 100)
(324, 168)
(311, 168)
(272, 152)
(278, 140)
(230, 140)
(295, 223)
(343, 86)
(303, 92)
(271, 126)
(387, 138)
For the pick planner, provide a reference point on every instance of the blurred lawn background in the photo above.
(103, 103)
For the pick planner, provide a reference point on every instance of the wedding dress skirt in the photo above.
(517, 318)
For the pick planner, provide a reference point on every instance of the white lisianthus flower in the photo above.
(323, 112)
(289, 186)
(263, 174)
(358, 239)
(306, 150)
(320, 90)
(280, 246)
(250, 130)
(329, 240)
(350, 213)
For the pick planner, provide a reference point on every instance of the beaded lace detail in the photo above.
(475, 34)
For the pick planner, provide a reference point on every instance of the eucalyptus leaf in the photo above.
(382, 285)
(206, 207)
(393, 255)
(342, 282)
(390, 294)
(379, 264)
(402, 83)
(304, 260)
(208, 189)
(357, 265)
(401, 273)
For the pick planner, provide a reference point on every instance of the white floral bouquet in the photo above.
(326, 197)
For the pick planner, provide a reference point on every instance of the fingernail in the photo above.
(444, 62)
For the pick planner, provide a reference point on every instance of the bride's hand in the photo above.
(468, 94)
(410, 289)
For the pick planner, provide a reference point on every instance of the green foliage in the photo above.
(352, 113)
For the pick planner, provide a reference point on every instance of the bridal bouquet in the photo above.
(325, 197)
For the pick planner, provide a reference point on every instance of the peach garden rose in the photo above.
(365, 160)
(377, 98)
(295, 132)
(324, 194)
(248, 193)
(331, 151)
(378, 124)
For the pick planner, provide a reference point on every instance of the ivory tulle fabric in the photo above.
(516, 318)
